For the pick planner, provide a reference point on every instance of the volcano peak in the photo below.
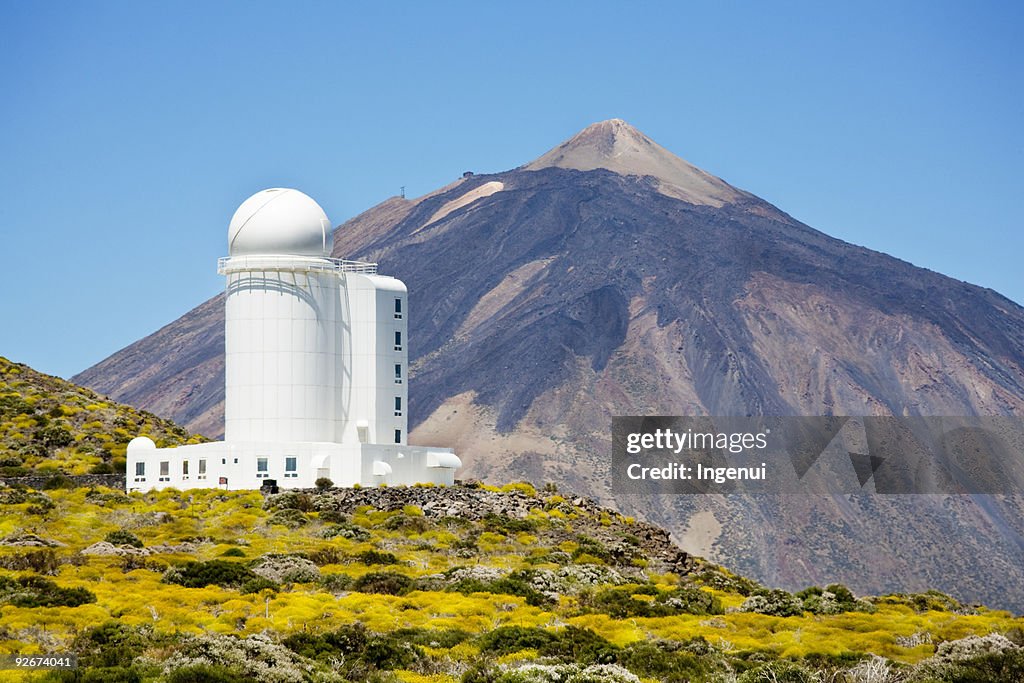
(617, 146)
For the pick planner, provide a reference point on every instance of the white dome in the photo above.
(279, 221)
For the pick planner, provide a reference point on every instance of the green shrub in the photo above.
(289, 518)
(619, 603)
(58, 481)
(35, 591)
(833, 599)
(995, 667)
(333, 517)
(508, 639)
(408, 523)
(111, 644)
(233, 552)
(54, 436)
(258, 585)
(326, 555)
(369, 557)
(212, 572)
(12, 405)
(345, 530)
(357, 649)
(122, 537)
(588, 546)
(384, 652)
(384, 583)
(672, 661)
(715, 577)
(323, 483)
(580, 645)
(290, 500)
(434, 638)
(507, 525)
(39, 561)
(336, 583)
(774, 602)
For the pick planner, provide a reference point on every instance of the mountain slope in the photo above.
(468, 583)
(560, 296)
(436, 584)
(50, 426)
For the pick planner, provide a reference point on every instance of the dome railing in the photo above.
(232, 264)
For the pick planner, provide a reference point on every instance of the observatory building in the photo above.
(316, 367)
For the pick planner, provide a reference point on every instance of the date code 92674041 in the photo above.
(9, 662)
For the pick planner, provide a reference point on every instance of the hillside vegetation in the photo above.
(471, 583)
(51, 426)
(425, 584)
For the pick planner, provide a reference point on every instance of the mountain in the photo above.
(609, 277)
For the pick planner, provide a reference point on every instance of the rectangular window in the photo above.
(184, 468)
(202, 466)
(261, 468)
(398, 406)
(165, 468)
(140, 469)
(398, 309)
(291, 466)
(398, 436)
(398, 373)
(398, 341)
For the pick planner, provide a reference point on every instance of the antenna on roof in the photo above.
(403, 191)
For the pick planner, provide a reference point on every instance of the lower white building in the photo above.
(316, 364)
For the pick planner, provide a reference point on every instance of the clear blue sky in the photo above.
(129, 132)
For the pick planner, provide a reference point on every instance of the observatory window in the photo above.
(398, 373)
(398, 406)
(140, 469)
(165, 470)
(202, 469)
(261, 468)
(398, 309)
(398, 341)
(184, 469)
(291, 465)
(398, 436)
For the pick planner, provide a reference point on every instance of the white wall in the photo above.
(237, 463)
(373, 323)
(282, 363)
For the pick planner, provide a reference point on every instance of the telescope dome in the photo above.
(279, 221)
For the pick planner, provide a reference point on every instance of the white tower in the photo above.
(283, 372)
(316, 358)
